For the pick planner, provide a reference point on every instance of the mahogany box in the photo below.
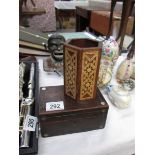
(77, 116)
(33, 149)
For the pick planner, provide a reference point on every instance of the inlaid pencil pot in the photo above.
(81, 68)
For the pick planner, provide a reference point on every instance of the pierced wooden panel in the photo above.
(70, 72)
(88, 75)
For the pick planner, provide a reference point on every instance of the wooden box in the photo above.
(33, 135)
(76, 116)
(81, 67)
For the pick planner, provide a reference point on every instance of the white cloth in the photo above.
(71, 5)
(117, 138)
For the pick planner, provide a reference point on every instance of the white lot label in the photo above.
(51, 106)
(30, 123)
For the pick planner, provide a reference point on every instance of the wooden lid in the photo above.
(56, 93)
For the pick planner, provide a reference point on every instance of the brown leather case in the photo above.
(99, 21)
(77, 116)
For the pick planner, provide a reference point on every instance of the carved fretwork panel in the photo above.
(88, 74)
(70, 72)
